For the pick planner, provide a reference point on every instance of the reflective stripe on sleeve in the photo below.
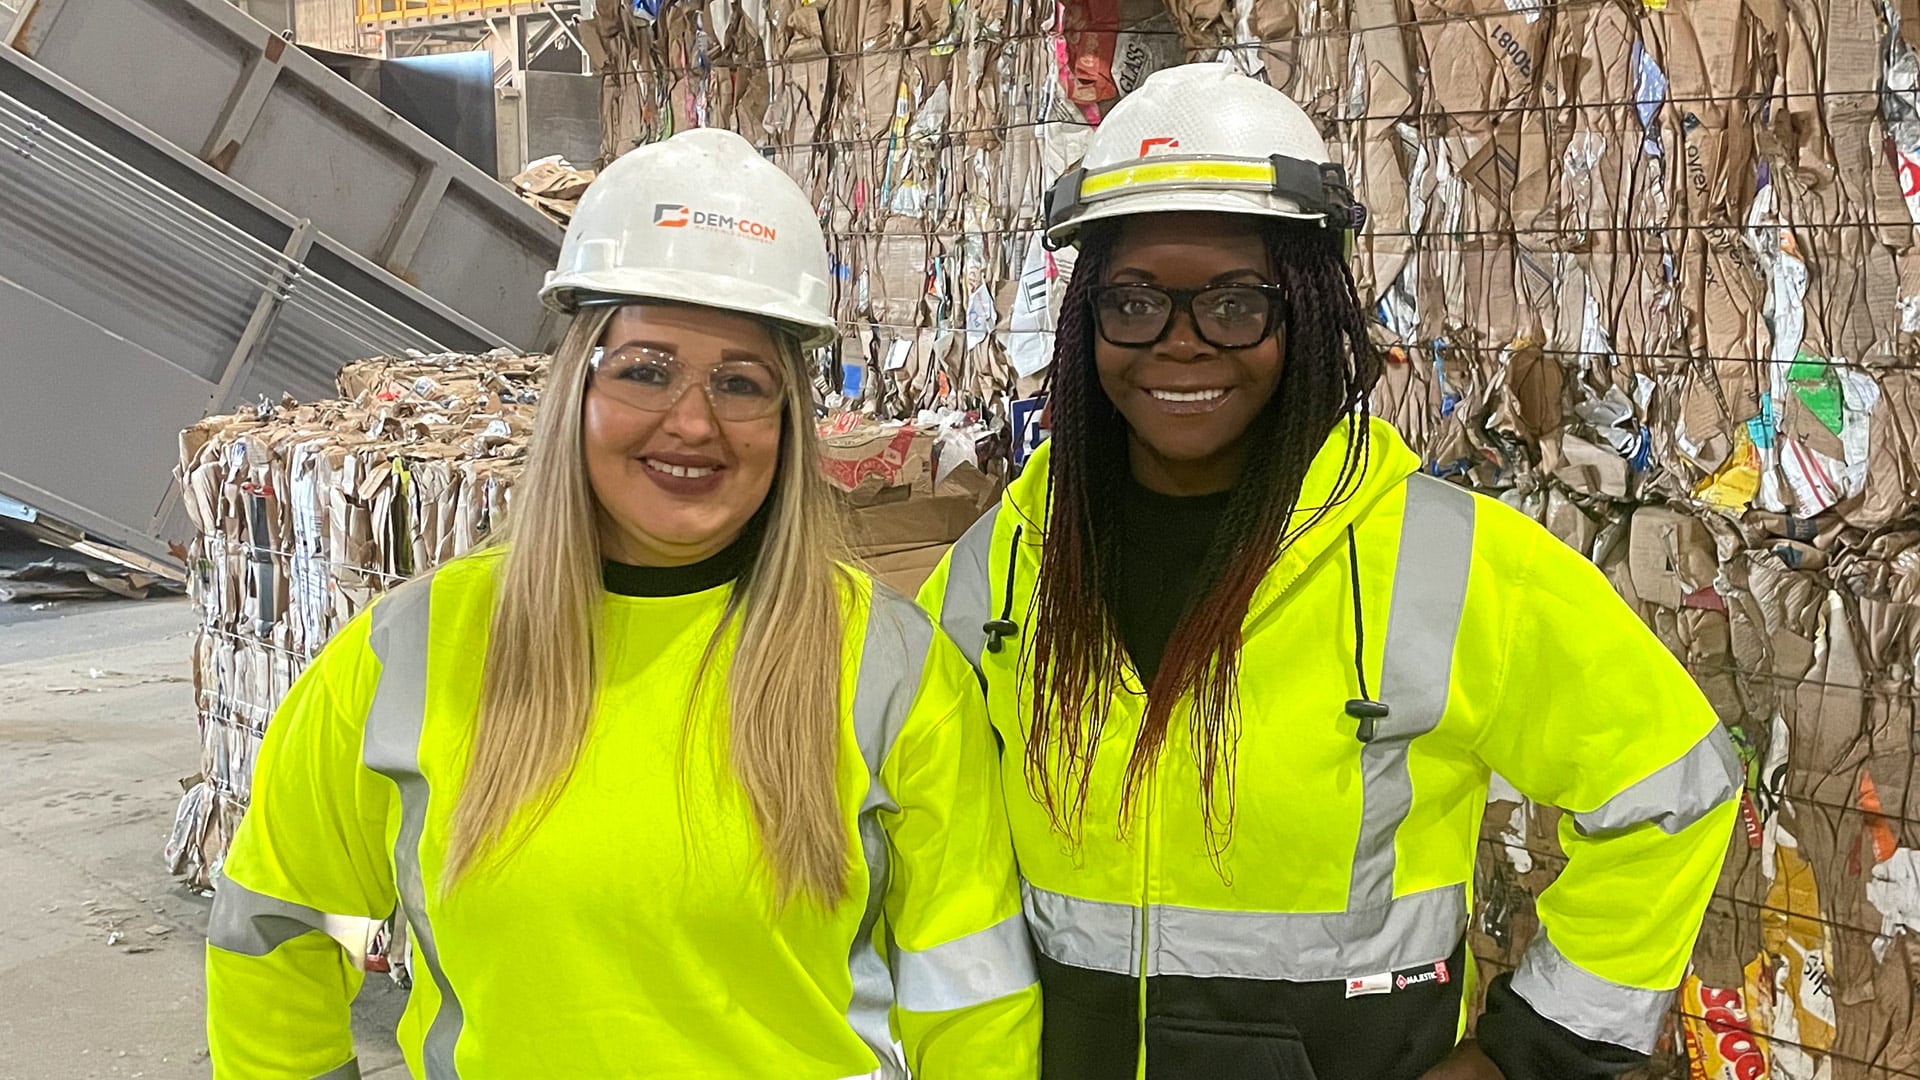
(973, 970)
(1585, 1003)
(1677, 795)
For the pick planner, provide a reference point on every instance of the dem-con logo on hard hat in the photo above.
(678, 216)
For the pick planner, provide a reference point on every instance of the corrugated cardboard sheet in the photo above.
(1647, 271)
(553, 186)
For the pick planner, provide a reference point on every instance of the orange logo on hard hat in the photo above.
(1148, 146)
(676, 216)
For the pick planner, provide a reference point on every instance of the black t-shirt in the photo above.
(1164, 540)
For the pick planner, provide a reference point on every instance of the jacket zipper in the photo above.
(1150, 836)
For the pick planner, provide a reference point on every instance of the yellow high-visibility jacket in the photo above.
(633, 933)
(1496, 649)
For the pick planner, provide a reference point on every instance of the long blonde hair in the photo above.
(542, 662)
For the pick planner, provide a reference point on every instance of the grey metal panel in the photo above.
(319, 330)
(90, 423)
(302, 358)
(448, 96)
(309, 158)
(475, 267)
(134, 153)
(563, 116)
(141, 151)
(380, 291)
(508, 226)
(164, 65)
(275, 15)
(135, 259)
(131, 290)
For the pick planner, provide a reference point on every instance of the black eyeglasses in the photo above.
(1226, 316)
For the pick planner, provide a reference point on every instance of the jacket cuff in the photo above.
(1586, 1004)
(1528, 1046)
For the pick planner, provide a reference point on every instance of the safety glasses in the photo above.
(1225, 316)
(655, 381)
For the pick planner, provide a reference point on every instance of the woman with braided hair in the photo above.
(1253, 668)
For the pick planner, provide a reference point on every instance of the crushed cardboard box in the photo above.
(78, 578)
(303, 513)
(553, 186)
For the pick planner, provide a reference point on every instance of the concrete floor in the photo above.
(96, 729)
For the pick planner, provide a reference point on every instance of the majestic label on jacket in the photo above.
(1435, 974)
(1387, 982)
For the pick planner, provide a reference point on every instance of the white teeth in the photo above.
(684, 471)
(1196, 395)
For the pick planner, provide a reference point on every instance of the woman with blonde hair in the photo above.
(658, 785)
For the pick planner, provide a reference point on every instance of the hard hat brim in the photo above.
(563, 293)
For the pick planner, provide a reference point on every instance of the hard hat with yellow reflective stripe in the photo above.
(1203, 137)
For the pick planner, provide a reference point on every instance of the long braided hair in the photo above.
(1074, 651)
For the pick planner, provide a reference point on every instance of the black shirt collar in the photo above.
(625, 579)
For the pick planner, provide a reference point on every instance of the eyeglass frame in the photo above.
(1181, 300)
(601, 353)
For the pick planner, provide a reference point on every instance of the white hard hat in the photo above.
(1203, 137)
(700, 218)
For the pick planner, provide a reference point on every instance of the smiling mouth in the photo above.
(1188, 396)
(685, 472)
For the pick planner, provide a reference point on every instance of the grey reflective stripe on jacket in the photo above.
(399, 636)
(255, 924)
(1585, 1003)
(1410, 931)
(1675, 797)
(891, 660)
(349, 1071)
(973, 970)
(1429, 595)
(967, 604)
